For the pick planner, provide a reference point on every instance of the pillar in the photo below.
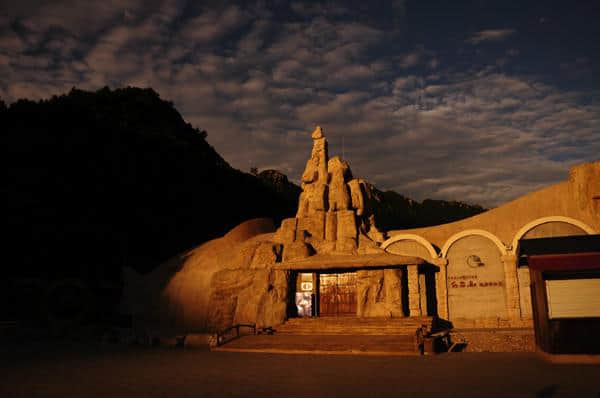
(423, 294)
(513, 300)
(414, 291)
(441, 287)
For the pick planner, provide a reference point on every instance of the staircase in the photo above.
(339, 336)
(356, 326)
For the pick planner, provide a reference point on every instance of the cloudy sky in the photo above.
(479, 101)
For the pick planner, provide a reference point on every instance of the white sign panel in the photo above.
(573, 298)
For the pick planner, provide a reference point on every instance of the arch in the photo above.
(419, 239)
(501, 246)
(527, 227)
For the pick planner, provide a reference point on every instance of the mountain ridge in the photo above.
(120, 173)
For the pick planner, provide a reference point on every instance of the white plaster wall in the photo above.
(553, 228)
(408, 248)
(475, 292)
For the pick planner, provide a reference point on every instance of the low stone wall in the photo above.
(494, 340)
(491, 323)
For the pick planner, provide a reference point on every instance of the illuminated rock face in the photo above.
(200, 289)
(232, 279)
(243, 278)
(333, 217)
(379, 293)
(334, 211)
(248, 296)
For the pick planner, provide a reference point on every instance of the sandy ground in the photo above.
(67, 369)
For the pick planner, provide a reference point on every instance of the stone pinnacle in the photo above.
(318, 133)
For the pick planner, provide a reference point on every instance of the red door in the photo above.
(337, 294)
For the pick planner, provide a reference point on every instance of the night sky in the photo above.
(478, 101)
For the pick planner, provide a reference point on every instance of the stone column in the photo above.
(414, 291)
(423, 294)
(441, 287)
(513, 302)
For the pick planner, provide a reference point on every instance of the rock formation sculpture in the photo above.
(243, 277)
(333, 212)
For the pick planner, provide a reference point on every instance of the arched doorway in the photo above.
(417, 246)
(475, 277)
(545, 227)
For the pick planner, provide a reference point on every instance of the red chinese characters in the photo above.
(468, 284)
(488, 284)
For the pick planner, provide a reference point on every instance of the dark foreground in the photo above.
(67, 369)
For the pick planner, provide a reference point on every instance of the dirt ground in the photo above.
(67, 369)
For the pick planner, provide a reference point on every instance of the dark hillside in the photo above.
(96, 180)
(100, 180)
(288, 191)
(399, 212)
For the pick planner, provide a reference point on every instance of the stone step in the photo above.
(325, 344)
(341, 332)
(354, 329)
(355, 326)
(351, 326)
(361, 321)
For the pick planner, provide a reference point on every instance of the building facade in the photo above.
(332, 260)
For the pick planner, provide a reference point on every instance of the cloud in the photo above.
(491, 35)
(79, 18)
(409, 60)
(213, 24)
(259, 79)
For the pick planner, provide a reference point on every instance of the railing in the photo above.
(8, 324)
(223, 334)
(8, 327)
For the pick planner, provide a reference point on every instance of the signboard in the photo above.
(573, 298)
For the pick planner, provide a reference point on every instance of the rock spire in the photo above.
(334, 210)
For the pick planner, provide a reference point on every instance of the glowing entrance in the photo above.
(305, 297)
(337, 294)
(320, 294)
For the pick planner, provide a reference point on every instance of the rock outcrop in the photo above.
(335, 211)
(225, 280)
(249, 275)
(235, 279)
(379, 293)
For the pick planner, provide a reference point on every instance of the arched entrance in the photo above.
(545, 227)
(417, 246)
(475, 277)
(410, 245)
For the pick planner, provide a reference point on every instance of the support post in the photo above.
(423, 294)
(513, 301)
(441, 287)
(414, 291)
